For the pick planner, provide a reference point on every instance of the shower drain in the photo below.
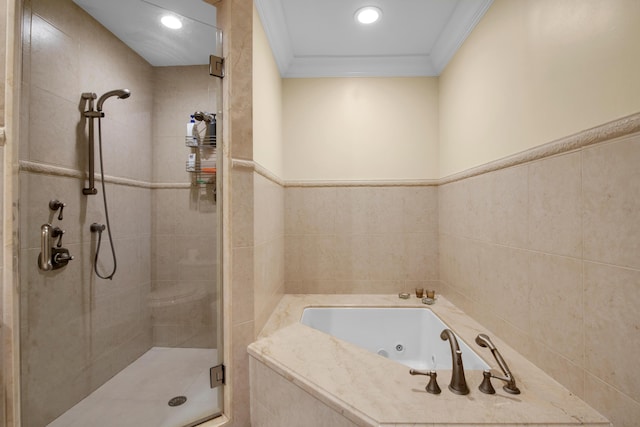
(177, 401)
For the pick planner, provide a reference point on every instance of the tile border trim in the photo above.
(602, 133)
(42, 168)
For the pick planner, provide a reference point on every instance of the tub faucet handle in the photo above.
(432, 387)
(486, 386)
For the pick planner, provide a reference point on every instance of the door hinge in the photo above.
(216, 66)
(216, 375)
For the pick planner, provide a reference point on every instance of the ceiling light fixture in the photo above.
(171, 22)
(368, 14)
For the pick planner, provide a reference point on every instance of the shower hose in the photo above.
(106, 214)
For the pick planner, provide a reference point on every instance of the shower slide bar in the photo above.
(91, 114)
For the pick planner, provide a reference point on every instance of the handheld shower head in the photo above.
(120, 93)
(484, 341)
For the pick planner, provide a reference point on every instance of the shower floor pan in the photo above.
(139, 394)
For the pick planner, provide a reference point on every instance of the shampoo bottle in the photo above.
(191, 132)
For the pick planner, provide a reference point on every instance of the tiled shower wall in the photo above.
(547, 256)
(77, 330)
(360, 239)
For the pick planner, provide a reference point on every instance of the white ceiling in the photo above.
(320, 38)
(137, 23)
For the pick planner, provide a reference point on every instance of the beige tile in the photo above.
(242, 207)
(243, 335)
(54, 61)
(509, 206)
(242, 289)
(369, 210)
(275, 394)
(419, 209)
(555, 205)
(611, 318)
(563, 370)
(472, 272)
(420, 256)
(476, 207)
(368, 257)
(170, 157)
(311, 257)
(619, 408)
(268, 209)
(446, 208)
(612, 202)
(162, 261)
(507, 288)
(310, 210)
(53, 131)
(556, 305)
(164, 215)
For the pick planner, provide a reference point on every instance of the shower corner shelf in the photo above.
(202, 160)
(201, 142)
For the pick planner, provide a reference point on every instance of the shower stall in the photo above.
(138, 346)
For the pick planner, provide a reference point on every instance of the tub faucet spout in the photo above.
(458, 384)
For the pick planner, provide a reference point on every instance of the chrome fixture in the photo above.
(51, 258)
(58, 232)
(91, 114)
(120, 93)
(433, 386)
(510, 387)
(458, 384)
(56, 204)
(44, 259)
(203, 116)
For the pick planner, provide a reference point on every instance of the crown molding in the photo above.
(360, 66)
(275, 27)
(464, 18)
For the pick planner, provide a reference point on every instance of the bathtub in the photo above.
(407, 335)
(317, 373)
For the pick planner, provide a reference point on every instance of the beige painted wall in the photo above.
(267, 103)
(360, 128)
(534, 71)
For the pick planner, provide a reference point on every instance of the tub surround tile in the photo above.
(310, 210)
(612, 201)
(582, 253)
(356, 234)
(612, 320)
(368, 210)
(509, 206)
(275, 409)
(607, 399)
(554, 282)
(555, 205)
(348, 379)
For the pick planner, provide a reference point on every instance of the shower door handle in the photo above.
(44, 259)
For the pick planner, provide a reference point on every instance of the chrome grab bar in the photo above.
(44, 260)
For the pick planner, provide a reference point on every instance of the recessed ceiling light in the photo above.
(171, 21)
(368, 14)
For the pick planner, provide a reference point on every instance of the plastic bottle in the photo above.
(191, 135)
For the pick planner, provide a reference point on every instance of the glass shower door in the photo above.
(137, 349)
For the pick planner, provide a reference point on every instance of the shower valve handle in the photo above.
(56, 204)
(58, 232)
